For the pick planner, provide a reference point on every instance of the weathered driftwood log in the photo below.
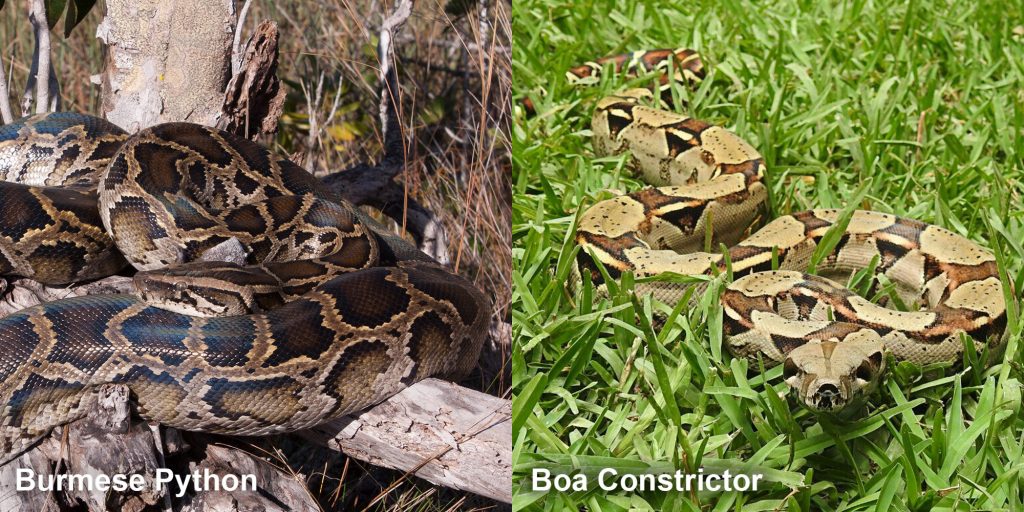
(108, 443)
(37, 460)
(289, 491)
(446, 434)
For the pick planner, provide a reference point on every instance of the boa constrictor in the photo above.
(710, 185)
(364, 314)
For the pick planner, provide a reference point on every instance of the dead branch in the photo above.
(41, 77)
(313, 102)
(254, 100)
(389, 102)
(436, 430)
(287, 491)
(374, 185)
(236, 51)
(5, 97)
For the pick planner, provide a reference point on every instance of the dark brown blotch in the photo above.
(18, 340)
(196, 138)
(21, 211)
(160, 163)
(362, 361)
(366, 298)
(653, 199)
(300, 332)
(450, 288)
(271, 400)
(36, 392)
(105, 149)
(619, 116)
(354, 253)
(58, 262)
(284, 209)
(430, 338)
(79, 333)
(164, 333)
(228, 340)
(246, 219)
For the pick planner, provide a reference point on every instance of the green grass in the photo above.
(919, 103)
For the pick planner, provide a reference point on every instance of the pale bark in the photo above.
(41, 88)
(281, 491)
(5, 97)
(166, 61)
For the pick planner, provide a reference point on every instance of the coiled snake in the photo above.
(710, 184)
(364, 314)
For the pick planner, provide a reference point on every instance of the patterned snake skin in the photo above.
(711, 192)
(366, 314)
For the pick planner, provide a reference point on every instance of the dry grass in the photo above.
(456, 78)
(455, 71)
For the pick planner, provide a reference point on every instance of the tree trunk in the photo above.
(165, 61)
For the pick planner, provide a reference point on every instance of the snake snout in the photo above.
(828, 390)
(827, 397)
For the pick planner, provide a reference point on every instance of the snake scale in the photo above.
(710, 190)
(332, 314)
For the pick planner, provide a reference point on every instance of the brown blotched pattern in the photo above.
(288, 369)
(710, 193)
(210, 346)
(49, 167)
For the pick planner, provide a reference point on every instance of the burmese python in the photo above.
(711, 191)
(332, 316)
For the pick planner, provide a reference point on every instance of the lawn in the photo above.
(916, 109)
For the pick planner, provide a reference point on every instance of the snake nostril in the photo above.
(828, 390)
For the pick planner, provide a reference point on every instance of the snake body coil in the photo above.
(711, 191)
(365, 314)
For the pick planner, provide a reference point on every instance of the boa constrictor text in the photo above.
(333, 315)
(710, 188)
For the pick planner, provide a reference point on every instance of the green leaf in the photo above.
(77, 11)
(522, 407)
(54, 10)
(835, 232)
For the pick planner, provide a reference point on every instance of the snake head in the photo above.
(209, 289)
(828, 375)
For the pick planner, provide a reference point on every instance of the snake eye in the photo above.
(869, 367)
(865, 371)
(876, 358)
(789, 369)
